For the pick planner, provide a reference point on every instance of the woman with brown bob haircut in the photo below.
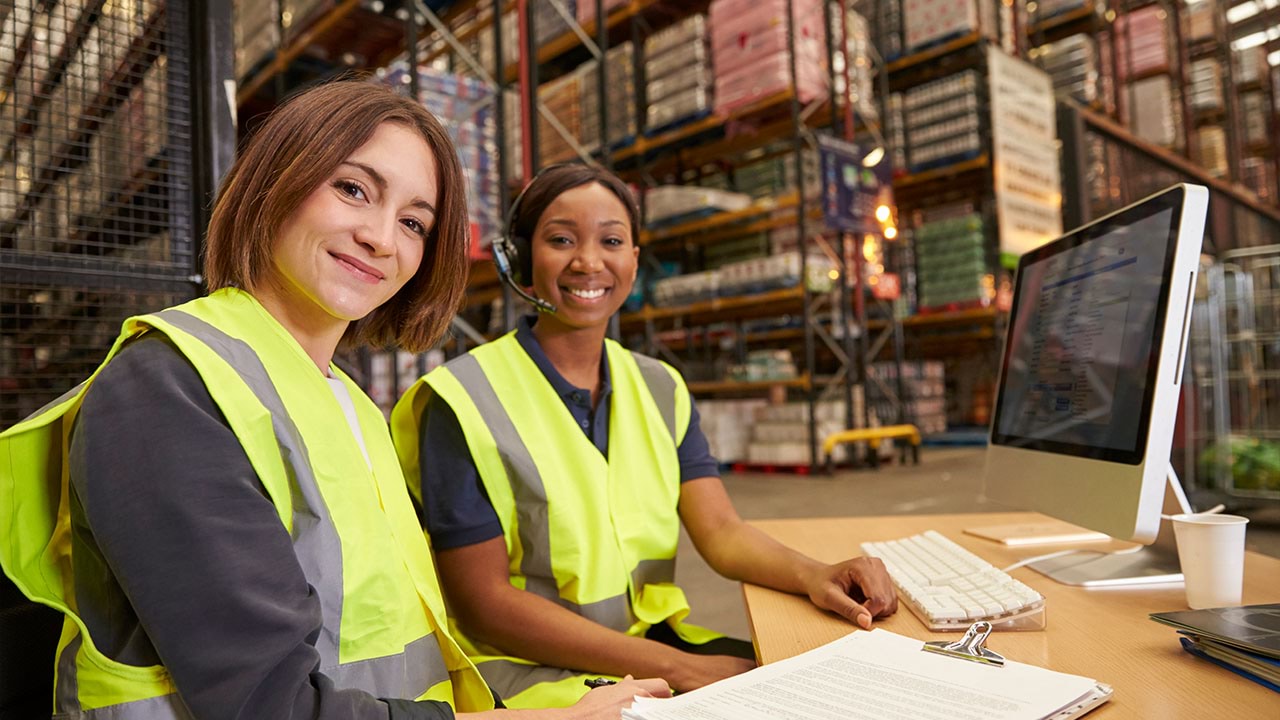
(234, 538)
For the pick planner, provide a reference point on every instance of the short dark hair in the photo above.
(549, 184)
(294, 151)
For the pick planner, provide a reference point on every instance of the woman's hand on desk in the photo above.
(857, 589)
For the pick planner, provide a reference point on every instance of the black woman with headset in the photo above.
(552, 469)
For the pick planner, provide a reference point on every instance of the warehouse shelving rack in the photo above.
(114, 131)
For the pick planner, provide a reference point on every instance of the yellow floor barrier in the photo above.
(873, 437)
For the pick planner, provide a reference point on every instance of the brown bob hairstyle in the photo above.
(296, 150)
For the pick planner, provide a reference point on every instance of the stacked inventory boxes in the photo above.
(1072, 63)
(1250, 65)
(483, 44)
(548, 23)
(464, 105)
(1257, 174)
(856, 55)
(889, 31)
(1209, 149)
(897, 133)
(929, 22)
(1155, 116)
(620, 89)
(923, 394)
(728, 426)
(781, 432)
(749, 46)
(256, 32)
(951, 262)
(668, 204)
(763, 365)
(562, 99)
(678, 72)
(943, 124)
(1253, 111)
(1142, 42)
(1206, 84)
(745, 277)
(1200, 21)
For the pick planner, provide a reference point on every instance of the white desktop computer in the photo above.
(1089, 383)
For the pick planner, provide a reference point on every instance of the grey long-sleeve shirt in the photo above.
(180, 558)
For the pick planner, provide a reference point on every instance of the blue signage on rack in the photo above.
(850, 191)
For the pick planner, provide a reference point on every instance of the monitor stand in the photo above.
(1152, 564)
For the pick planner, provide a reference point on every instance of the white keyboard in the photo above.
(950, 588)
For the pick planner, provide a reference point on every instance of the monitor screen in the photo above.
(1080, 361)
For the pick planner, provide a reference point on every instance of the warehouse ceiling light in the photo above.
(1274, 58)
(882, 213)
(890, 232)
(874, 157)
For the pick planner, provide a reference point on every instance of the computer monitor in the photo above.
(1089, 382)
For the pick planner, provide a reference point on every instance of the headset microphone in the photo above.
(500, 259)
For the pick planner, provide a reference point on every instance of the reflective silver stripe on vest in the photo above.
(61, 398)
(163, 707)
(662, 387)
(653, 572)
(67, 692)
(508, 679)
(315, 540)
(406, 675)
(534, 529)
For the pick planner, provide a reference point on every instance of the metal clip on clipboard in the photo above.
(968, 647)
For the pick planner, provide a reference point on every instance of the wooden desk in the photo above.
(1103, 634)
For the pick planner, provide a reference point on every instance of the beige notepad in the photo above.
(1049, 532)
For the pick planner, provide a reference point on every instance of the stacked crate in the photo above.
(749, 46)
(930, 22)
(923, 394)
(465, 106)
(678, 73)
(620, 89)
(1205, 92)
(562, 98)
(727, 426)
(951, 262)
(943, 123)
(780, 435)
(856, 56)
(1073, 64)
(889, 30)
(256, 32)
(548, 23)
(1143, 45)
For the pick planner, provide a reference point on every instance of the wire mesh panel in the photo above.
(95, 168)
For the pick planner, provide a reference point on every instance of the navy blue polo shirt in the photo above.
(456, 509)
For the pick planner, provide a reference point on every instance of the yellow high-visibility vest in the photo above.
(596, 535)
(353, 526)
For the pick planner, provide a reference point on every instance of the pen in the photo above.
(594, 683)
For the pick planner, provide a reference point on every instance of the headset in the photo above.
(513, 256)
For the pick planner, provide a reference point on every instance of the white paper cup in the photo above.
(1211, 551)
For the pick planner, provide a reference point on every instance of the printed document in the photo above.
(881, 675)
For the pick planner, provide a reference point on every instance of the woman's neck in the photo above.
(317, 332)
(574, 352)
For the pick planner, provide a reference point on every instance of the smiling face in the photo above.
(584, 261)
(359, 236)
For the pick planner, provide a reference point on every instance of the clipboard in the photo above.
(972, 648)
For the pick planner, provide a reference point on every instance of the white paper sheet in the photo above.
(878, 675)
